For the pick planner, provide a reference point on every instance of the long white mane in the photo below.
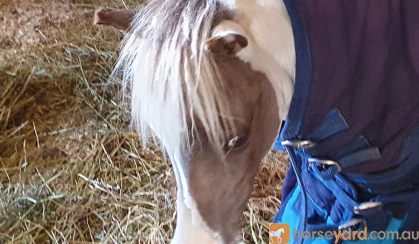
(171, 81)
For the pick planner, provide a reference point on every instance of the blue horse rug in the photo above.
(352, 132)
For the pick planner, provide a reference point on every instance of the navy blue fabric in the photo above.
(364, 60)
(357, 98)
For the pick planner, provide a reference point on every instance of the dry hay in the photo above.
(71, 170)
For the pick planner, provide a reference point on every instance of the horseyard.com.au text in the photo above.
(281, 234)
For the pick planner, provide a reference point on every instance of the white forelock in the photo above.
(168, 74)
(172, 80)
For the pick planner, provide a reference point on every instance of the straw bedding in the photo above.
(71, 169)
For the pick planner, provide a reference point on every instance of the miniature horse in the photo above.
(213, 80)
(215, 113)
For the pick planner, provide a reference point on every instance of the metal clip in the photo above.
(300, 144)
(353, 223)
(326, 162)
(366, 206)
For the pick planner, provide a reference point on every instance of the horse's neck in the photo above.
(271, 49)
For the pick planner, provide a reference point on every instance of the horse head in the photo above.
(212, 89)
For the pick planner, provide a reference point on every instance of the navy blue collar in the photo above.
(303, 73)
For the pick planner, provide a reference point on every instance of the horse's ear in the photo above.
(227, 44)
(120, 19)
(228, 38)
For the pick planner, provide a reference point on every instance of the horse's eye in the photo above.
(236, 142)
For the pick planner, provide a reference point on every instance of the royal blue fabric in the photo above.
(357, 63)
(291, 216)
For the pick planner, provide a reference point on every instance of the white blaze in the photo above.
(190, 228)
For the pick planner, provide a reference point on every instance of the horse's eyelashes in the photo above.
(233, 141)
(236, 142)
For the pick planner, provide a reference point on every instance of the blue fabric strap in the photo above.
(358, 143)
(297, 169)
(332, 124)
(360, 156)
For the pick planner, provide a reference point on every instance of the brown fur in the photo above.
(221, 186)
(119, 19)
(222, 46)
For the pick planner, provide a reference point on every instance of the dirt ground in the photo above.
(71, 169)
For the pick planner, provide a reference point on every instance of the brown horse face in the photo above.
(215, 182)
(221, 186)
